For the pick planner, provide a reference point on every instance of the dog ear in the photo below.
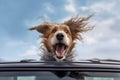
(78, 25)
(43, 28)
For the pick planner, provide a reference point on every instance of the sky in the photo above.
(17, 16)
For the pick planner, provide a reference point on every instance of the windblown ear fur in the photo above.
(78, 25)
(43, 28)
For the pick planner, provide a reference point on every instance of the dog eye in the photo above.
(54, 30)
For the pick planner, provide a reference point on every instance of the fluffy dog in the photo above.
(59, 39)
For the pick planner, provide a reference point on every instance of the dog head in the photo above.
(59, 39)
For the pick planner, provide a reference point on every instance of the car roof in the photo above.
(84, 65)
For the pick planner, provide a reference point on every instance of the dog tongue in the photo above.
(59, 50)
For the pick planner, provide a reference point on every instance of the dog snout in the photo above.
(60, 36)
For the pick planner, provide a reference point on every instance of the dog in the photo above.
(59, 39)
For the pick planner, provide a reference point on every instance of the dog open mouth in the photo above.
(60, 50)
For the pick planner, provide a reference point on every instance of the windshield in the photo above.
(17, 16)
(51, 76)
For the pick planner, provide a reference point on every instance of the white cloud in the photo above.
(99, 7)
(114, 41)
(102, 6)
(15, 43)
(104, 25)
(84, 8)
(101, 42)
(37, 20)
(101, 30)
(32, 51)
(90, 40)
(49, 7)
(70, 7)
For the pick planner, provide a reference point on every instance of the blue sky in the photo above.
(16, 16)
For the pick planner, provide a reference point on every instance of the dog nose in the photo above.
(60, 36)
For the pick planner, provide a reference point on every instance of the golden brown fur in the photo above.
(72, 27)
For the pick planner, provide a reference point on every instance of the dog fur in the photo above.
(71, 31)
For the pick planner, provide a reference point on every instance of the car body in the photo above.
(33, 70)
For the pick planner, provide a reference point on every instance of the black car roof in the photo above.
(87, 65)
